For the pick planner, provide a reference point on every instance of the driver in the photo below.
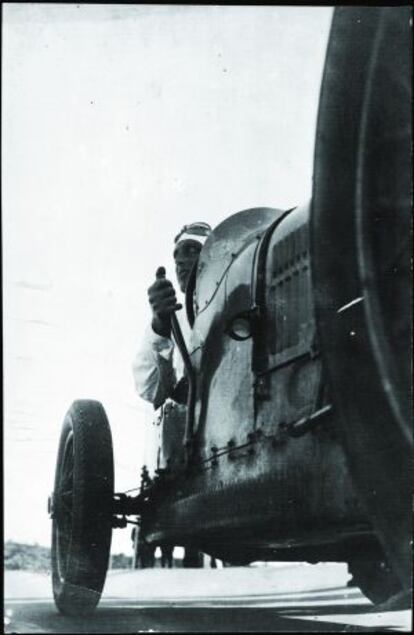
(158, 368)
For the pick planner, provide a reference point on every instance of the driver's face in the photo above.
(185, 255)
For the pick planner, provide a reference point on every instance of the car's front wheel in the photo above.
(81, 508)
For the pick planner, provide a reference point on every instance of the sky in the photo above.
(120, 124)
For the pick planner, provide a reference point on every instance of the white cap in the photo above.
(195, 231)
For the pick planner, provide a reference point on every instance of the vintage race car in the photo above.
(295, 441)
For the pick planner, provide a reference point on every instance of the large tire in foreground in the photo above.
(361, 260)
(81, 509)
(374, 576)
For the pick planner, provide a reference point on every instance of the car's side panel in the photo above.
(249, 474)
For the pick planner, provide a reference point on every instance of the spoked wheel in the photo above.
(81, 509)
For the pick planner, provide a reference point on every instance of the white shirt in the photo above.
(158, 365)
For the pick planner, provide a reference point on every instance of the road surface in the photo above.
(291, 597)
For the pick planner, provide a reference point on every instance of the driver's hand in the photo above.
(163, 301)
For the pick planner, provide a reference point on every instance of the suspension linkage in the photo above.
(123, 505)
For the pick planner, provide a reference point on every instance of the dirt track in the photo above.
(300, 598)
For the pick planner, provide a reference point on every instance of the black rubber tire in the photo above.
(82, 501)
(360, 234)
(373, 575)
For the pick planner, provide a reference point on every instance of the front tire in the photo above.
(81, 509)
